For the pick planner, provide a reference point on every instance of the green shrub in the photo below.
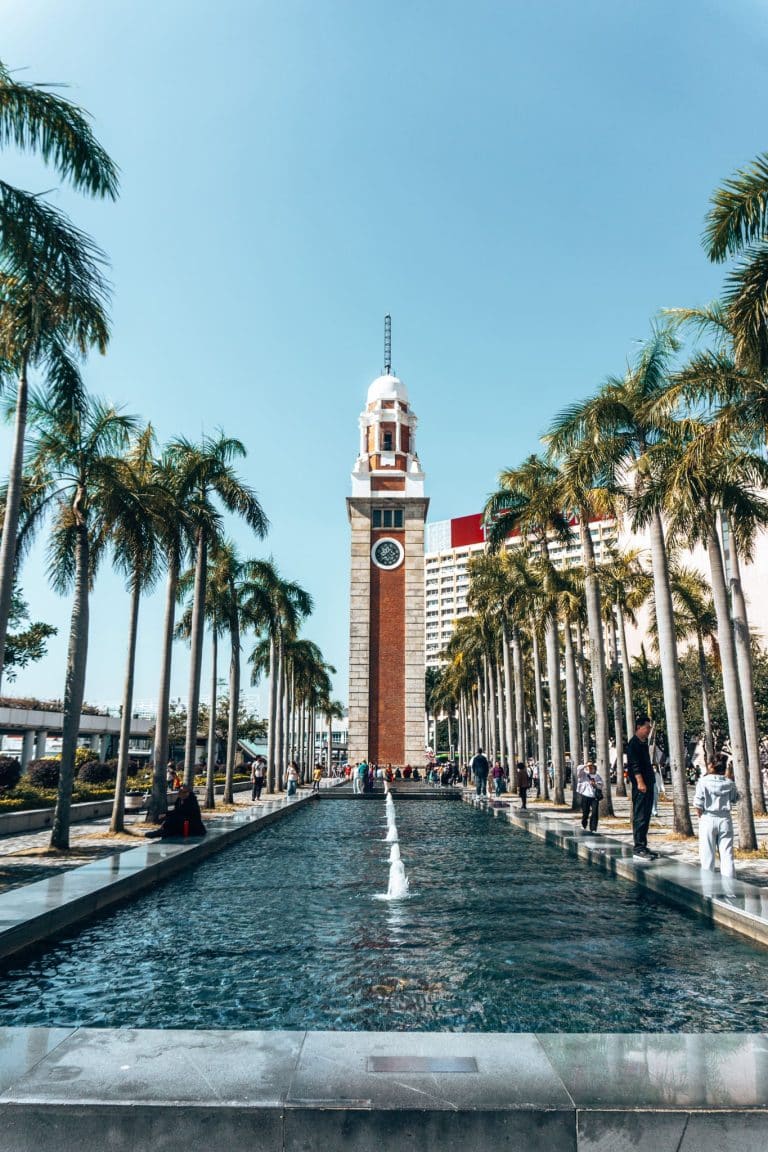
(10, 772)
(92, 772)
(85, 756)
(44, 773)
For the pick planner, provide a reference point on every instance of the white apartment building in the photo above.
(449, 545)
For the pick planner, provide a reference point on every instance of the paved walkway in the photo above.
(25, 857)
(752, 867)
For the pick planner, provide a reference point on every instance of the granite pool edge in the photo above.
(679, 883)
(34, 912)
(285, 1091)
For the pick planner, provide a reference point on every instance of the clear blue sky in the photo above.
(521, 185)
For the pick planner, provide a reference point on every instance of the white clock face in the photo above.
(387, 553)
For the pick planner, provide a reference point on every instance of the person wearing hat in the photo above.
(589, 786)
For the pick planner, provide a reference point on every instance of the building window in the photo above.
(387, 442)
(387, 518)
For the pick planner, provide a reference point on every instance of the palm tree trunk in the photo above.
(555, 707)
(210, 771)
(290, 713)
(312, 743)
(499, 728)
(158, 803)
(329, 764)
(745, 819)
(596, 661)
(670, 677)
(74, 686)
(234, 708)
(746, 679)
(709, 740)
(117, 823)
(196, 657)
(517, 669)
(272, 712)
(509, 730)
(540, 729)
(572, 706)
(11, 510)
(280, 765)
(302, 733)
(581, 672)
(618, 730)
(626, 675)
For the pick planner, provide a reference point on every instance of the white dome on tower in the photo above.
(387, 387)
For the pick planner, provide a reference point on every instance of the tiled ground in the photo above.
(661, 838)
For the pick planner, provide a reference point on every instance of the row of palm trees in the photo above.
(92, 476)
(675, 447)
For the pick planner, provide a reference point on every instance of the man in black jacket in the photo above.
(641, 777)
(480, 769)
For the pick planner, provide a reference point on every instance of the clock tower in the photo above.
(387, 510)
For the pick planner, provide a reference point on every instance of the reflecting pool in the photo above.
(499, 933)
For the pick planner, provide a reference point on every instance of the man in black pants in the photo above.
(480, 769)
(641, 778)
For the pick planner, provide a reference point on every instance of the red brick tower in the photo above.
(387, 510)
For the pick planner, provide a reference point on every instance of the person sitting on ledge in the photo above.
(183, 819)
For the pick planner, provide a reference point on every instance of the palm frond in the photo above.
(739, 212)
(35, 119)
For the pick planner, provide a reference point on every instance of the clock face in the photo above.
(387, 553)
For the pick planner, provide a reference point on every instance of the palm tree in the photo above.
(737, 225)
(133, 512)
(529, 500)
(695, 616)
(218, 609)
(290, 605)
(626, 587)
(304, 665)
(613, 432)
(210, 476)
(570, 601)
(74, 475)
(52, 290)
(697, 478)
(176, 537)
(37, 120)
(332, 710)
(734, 399)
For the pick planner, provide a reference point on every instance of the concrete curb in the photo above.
(123, 1089)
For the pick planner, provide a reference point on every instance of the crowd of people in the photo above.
(715, 794)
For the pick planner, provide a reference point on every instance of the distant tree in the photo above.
(28, 645)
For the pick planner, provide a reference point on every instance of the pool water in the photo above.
(499, 933)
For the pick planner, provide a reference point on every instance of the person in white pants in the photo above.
(713, 799)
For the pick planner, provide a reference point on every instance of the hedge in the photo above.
(10, 772)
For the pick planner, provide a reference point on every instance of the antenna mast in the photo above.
(387, 344)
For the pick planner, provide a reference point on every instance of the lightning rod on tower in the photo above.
(387, 344)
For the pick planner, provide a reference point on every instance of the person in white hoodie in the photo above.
(713, 799)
